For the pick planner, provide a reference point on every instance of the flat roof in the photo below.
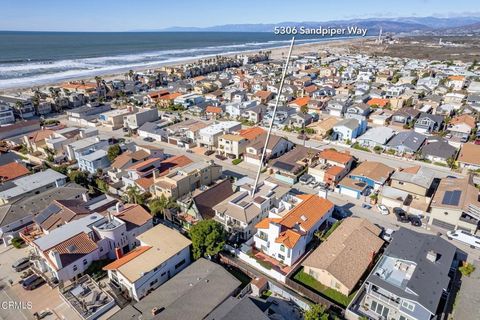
(67, 231)
(191, 294)
(164, 242)
(30, 183)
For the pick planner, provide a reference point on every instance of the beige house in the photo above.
(186, 179)
(456, 205)
(410, 189)
(346, 255)
(322, 128)
(232, 145)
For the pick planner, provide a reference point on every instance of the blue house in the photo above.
(349, 129)
(93, 161)
(373, 174)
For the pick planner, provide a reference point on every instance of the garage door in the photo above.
(391, 203)
(443, 224)
(350, 193)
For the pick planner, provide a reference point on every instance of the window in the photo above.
(380, 309)
(85, 262)
(282, 248)
(281, 257)
(153, 282)
(408, 305)
(75, 267)
(178, 265)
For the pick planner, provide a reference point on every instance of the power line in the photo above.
(273, 117)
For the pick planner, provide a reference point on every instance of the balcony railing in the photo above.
(390, 300)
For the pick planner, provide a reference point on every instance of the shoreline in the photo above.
(276, 53)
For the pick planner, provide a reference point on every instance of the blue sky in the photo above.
(123, 15)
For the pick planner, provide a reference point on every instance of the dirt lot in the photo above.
(422, 47)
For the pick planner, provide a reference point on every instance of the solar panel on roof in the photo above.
(46, 213)
(452, 198)
(283, 166)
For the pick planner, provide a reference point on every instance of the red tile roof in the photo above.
(335, 156)
(126, 258)
(12, 171)
(303, 101)
(251, 133)
(173, 162)
(212, 109)
(378, 102)
(308, 212)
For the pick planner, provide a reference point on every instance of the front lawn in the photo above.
(310, 282)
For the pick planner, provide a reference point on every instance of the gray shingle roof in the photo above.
(429, 279)
(409, 139)
(191, 294)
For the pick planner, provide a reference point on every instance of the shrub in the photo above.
(18, 242)
(236, 161)
(466, 269)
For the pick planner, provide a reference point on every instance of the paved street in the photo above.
(353, 206)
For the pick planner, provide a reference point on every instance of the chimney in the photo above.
(432, 256)
(118, 253)
(119, 207)
(55, 256)
(85, 197)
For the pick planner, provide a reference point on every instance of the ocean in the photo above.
(38, 58)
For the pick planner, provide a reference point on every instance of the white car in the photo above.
(465, 237)
(382, 209)
(387, 235)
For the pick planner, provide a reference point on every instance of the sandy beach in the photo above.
(276, 53)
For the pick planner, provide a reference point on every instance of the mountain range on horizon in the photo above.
(396, 25)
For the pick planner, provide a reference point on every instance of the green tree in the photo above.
(158, 205)
(102, 185)
(134, 195)
(113, 152)
(316, 312)
(79, 177)
(208, 238)
(304, 109)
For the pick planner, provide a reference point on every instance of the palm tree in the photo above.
(133, 194)
(19, 107)
(158, 205)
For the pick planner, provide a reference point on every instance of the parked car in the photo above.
(209, 152)
(148, 139)
(366, 206)
(415, 220)
(21, 264)
(382, 209)
(465, 237)
(220, 157)
(32, 282)
(400, 214)
(303, 137)
(305, 179)
(387, 235)
(313, 183)
(189, 151)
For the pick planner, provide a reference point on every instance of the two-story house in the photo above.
(410, 280)
(240, 212)
(284, 237)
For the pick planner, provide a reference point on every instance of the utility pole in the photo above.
(273, 117)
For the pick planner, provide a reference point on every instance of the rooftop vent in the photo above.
(433, 256)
